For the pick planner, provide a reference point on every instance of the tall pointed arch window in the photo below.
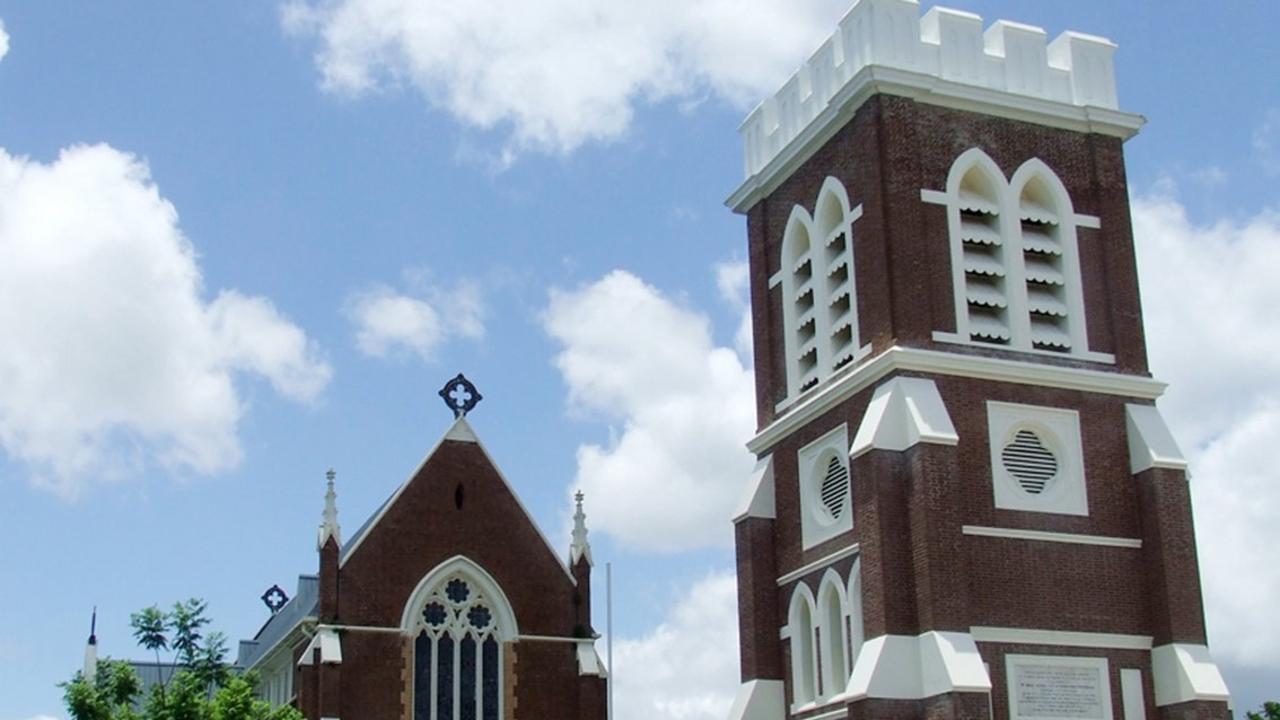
(819, 290)
(833, 636)
(459, 621)
(804, 656)
(1014, 258)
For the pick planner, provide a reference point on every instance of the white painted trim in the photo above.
(1098, 664)
(504, 614)
(904, 412)
(1059, 430)
(552, 638)
(1062, 638)
(362, 628)
(930, 90)
(1181, 672)
(758, 501)
(816, 524)
(903, 359)
(902, 667)
(817, 565)
(1131, 695)
(1044, 536)
(759, 700)
(459, 426)
(1151, 444)
(295, 633)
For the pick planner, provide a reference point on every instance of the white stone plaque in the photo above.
(1058, 688)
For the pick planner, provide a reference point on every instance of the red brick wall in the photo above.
(891, 150)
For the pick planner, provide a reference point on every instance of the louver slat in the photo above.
(1040, 241)
(985, 295)
(1044, 301)
(986, 326)
(976, 203)
(978, 233)
(982, 265)
(1043, 271)
(1048, 333)
(1038, 213)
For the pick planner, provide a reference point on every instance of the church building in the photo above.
(447, 604)
(967, 504)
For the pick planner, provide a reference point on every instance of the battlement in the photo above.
(947, 56)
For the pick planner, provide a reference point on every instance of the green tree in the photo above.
(1270, 711)
(186, 620)
(109, 697)
(204, 688)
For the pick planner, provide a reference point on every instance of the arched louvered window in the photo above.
(804, 656)
(1015, 261)
(1051, 261)
(459, 620)
(819, 290)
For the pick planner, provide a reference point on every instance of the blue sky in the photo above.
(244, 193)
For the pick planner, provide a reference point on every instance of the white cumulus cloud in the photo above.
(4, 40)
(389, 322)
(113, 360)
(687, 667)
(1210, 296)
(560, 73)
(682, 407)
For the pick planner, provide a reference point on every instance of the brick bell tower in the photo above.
(967, 504)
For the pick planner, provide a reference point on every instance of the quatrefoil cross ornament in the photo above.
(460, 395)
(275, 598)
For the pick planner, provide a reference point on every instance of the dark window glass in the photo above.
(467, 683)
(489, 679)
(444, 678)
(422, 678)
(457, 590)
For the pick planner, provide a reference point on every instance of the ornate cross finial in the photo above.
(460, 395)
(329, 527)
(580, 547)
(274, 598)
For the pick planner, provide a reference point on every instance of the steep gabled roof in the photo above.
(459, 431)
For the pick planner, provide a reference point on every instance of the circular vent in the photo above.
(835, 487)
(1028, 460)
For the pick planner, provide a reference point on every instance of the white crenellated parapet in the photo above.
(950, 45)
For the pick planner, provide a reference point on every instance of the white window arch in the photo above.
(1014, 258)
(459, 620)
(819, 290)
(854, 597)
(833, 634)
(804, 657)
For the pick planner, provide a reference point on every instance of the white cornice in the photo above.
(817, 564)
(899, 359)
(1043, 536)
(930, 90)
(1027, 636)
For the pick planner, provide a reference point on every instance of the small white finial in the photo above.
(330, 528)
(580, 547)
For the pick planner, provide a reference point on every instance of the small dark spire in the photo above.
(93, 627)
(460, 395)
